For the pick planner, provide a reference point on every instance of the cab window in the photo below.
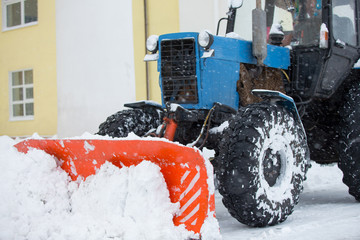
(307, 22)
(343, 15)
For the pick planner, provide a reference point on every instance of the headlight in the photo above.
(152, 43)
(205, 39)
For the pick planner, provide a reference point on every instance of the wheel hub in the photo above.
(271, 166)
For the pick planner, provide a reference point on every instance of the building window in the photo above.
(21, 95)
(19, 13)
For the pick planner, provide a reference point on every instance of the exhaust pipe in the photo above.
(259, 47)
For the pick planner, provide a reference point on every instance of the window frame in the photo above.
(24, 101)
(5, 3)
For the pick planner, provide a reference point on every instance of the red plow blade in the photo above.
(183, 168)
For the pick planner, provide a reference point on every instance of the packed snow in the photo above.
(325, 211)
(39, 201)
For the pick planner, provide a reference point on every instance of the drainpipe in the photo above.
(146, 63)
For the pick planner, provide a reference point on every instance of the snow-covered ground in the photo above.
(38, 201)
(326, 211)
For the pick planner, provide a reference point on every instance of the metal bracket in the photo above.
(208, 53)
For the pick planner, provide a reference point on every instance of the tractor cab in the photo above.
(323, 37)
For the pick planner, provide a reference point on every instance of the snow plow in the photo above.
(184, 169)
(263, 107)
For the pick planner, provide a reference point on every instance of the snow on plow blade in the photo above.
(183, 168)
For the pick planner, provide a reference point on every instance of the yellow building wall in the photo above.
(163, 17)
(32, 47)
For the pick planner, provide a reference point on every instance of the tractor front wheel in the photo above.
(264, 162)
(138, 121)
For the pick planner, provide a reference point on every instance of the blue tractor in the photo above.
(266, 97)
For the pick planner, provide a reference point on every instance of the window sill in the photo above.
(17, 119)
(6, 29)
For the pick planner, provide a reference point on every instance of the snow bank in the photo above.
(323, 177)
(39, 201)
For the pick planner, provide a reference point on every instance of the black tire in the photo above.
(138, 121)
(264, 162)
(350, 141)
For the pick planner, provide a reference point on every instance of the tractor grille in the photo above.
(178, 71)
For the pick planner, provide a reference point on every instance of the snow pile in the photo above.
(323, 177)
(39, 201)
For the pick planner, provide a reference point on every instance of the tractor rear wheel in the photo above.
(264, 162)
(350, 141)
(138, 121)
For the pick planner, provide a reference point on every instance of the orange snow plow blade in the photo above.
(183, 168)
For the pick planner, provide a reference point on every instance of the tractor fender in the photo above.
(280, 99)
(144, 104)
(147, 106)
